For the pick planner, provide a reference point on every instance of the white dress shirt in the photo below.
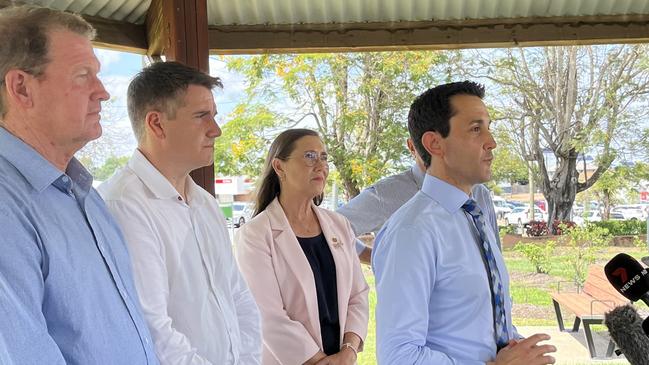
(196, 303)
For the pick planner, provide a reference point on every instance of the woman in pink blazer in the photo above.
(300, 263)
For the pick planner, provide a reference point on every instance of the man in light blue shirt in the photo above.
(435, 303)
(66, 290)
(368, 211)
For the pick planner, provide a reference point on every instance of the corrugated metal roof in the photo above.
(257, 12)
(131, 11)
(254, 12)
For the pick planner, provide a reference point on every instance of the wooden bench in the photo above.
(589, 305)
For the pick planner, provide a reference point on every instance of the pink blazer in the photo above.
(281, 280)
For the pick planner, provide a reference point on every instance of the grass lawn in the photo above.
(530, 292)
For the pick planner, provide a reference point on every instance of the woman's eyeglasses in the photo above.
(311, 158)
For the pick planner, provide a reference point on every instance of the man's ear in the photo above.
(433, 143)
(18, 87)
(411, 147)
(153, 124)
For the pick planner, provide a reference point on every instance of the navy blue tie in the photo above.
(500, 320)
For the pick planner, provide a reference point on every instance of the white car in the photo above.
(501, 207)
(591, 216)
(521, 216)
(630, 211)
(241, 213)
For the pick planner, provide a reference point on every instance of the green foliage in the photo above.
(539, 254)
(357, 101)
(583, 243)
(627, 227)
(508, 229)
(242, 147)
(108, 168)
(507, 164)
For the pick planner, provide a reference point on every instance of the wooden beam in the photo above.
(177, 29)
(482, 33)
(120, 36)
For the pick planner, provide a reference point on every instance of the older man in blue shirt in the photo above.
(442, 285)
(67, 293)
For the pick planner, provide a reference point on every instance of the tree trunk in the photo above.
(351, 189)
(561, 191)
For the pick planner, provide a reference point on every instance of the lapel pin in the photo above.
(335, 241)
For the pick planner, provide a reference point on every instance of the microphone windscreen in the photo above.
(625, 328)
(627, 276)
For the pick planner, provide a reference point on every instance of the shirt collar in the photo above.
(158, 183)
(39, 172)
(448, 196)
(418, 175)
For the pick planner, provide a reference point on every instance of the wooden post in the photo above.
(178, 29)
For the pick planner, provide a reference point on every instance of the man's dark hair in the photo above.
(161, 86)
(432, 111)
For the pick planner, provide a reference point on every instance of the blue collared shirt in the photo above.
(433, 293)
(68, 295)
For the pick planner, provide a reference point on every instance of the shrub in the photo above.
(583, 243)
(536, 228)
(629, 227)
(560, 227)
(503, 230)
(639, 243)
(539, 254)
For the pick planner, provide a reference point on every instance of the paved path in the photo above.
(571, 347)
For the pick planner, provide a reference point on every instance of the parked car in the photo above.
(501, 207)
(521, 216)
(241, 213)
(630, 211)
(615, 216)
(590, 216)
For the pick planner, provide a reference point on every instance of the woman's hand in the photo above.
(345, 356)
(316, 358)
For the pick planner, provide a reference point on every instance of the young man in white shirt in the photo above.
(197, 305)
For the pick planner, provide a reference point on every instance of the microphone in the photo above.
(625, 327)
(628, 277)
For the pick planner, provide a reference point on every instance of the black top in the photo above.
(323, 266)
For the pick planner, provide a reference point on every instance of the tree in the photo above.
(117, 138)
(507, 164)
(569, 101)
(612, 185)
(357, 101)
(108, 168)
(243, 144)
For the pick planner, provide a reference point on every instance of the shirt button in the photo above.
(65, 179)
